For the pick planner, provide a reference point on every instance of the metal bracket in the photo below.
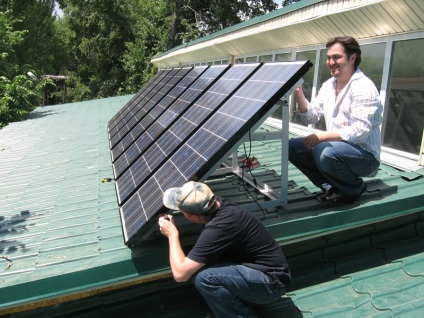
(276, 198)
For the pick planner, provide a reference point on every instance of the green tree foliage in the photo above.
(41, 49)
(196, 18)
(150, 23)
(16, 95)
(9, 39)
(100, 30)
(285, 3)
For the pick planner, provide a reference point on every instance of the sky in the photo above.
(57, 10)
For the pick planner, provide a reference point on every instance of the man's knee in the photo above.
(203, 278)
(326, 157)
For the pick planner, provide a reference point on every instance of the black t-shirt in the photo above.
(236, 235)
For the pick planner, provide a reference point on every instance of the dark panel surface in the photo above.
(136, 99)
(149, 115)
(177, 133)
(168, 117)
(151, 99)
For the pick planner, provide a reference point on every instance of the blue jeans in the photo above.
(337, 163)
(229, 288)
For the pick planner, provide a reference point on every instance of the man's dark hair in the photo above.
(350, 46)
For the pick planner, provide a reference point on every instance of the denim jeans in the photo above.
(338, 163)
(229, 288)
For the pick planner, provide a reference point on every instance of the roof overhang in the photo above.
(304, 23)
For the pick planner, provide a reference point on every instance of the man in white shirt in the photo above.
(336, 159)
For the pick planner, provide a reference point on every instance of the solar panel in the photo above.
(177, 133)
(209, 143)
(150, 135)
(151, 99)
(149, 115)
(136, 98)
(143, 99)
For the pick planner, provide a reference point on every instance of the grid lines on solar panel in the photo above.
(150, 135)
(234, 119)
(143, 99)
(135, 99)
(140, 99)
(174, 137)
(147, 115)
(150, 100)
(214, 139)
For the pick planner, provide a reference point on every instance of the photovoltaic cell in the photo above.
(209, 143)
(177, 133)
(136, 99)
(148, 114)
(151, 99)
(150, 135)
(143, 99)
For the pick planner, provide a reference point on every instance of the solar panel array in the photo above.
(183, 132)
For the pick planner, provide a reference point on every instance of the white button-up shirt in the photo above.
(356, 113)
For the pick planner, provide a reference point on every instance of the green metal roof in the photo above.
(60, 229)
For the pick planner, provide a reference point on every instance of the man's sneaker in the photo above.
(342, 199)
(330, 195)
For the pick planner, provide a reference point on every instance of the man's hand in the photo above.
(167, 226)
(302, 102)
(298, 90)
(311, 141)
(314, 139)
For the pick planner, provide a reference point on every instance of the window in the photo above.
(251, 59)
(283, 57)
(404, 119)
(373, 61)
(239, 61)
(265, 58)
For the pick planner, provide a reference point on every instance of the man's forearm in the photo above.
(176, 256)
(302, 102)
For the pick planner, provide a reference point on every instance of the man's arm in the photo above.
(182, 267)
(313, 139)
(302, 102)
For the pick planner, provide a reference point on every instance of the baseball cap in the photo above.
(192, 197)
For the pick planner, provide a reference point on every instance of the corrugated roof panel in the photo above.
(418, 10)
(383, 26)
(407, 18)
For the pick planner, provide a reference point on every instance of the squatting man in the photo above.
(235, 262)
